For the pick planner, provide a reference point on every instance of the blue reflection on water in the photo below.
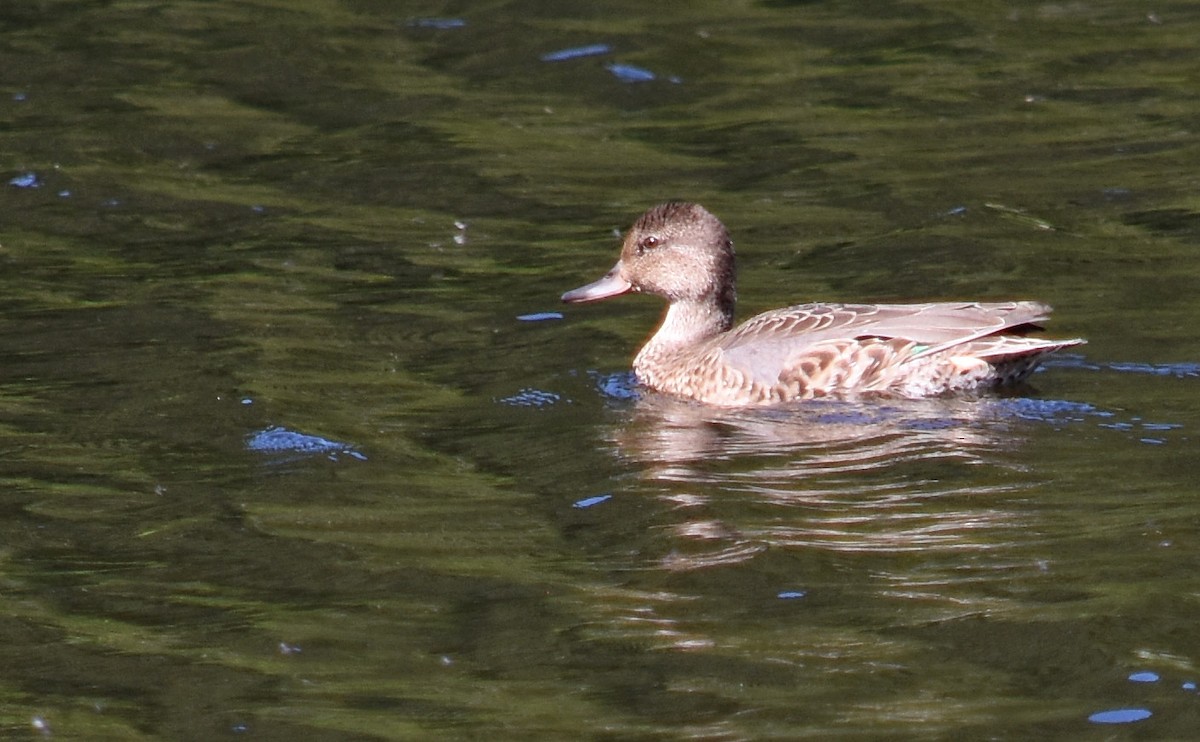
(1119, 716)
(591, 50)
(1178, 369)
(26, 180)
(440, 24)
(620, 386)
(292, 445)
(629, 73)
(588, 502)
(530, 397)
(1062, 412)
(1050, 410)
(539, 316)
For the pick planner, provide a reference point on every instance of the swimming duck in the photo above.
(682, 253)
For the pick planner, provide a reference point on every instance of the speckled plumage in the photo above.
(683, 253)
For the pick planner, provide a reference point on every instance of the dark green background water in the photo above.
(226, 217)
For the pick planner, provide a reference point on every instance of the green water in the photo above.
(223, 218)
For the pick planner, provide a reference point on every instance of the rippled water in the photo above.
(298, 441)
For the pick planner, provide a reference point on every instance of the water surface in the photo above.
(295, 444)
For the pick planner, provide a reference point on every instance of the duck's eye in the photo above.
(647, 243)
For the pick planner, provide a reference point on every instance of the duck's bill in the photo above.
(611, 285)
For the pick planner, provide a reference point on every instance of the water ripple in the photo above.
(1177, 369)
(530, 397)
(621, 386)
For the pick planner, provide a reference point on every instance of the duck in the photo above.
(681, 252)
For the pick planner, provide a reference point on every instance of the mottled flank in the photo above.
(683, 253)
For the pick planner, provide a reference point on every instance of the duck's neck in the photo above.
(688, 323)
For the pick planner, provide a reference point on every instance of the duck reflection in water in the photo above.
(833, 475)
(675, 440)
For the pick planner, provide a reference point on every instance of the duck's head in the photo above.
(676, 250)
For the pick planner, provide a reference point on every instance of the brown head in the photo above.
(678, 251)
